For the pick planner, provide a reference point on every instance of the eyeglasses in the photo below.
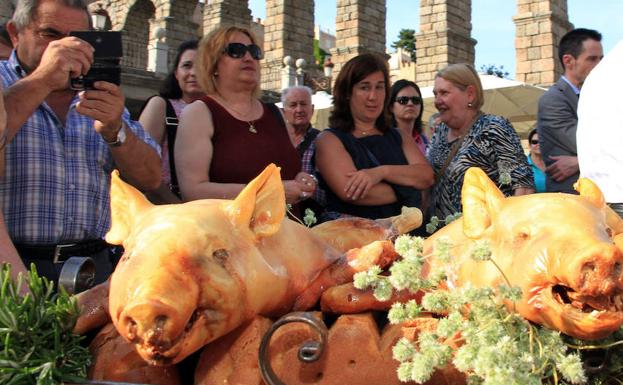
(238, 50)
(534, 141)
(404, 100)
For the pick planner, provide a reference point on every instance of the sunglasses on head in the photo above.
(404, 100)
(534, 141)
(238, 50)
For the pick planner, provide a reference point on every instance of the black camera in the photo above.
(106, 58)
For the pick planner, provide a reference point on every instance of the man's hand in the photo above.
(62, 59)
(105, 105)
(563, 167)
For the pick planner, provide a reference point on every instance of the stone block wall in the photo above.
(288, 31)
(359, 28)
(226, 12)
(444, 37)
(540, 24)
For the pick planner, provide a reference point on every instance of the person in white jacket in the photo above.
(600, 128)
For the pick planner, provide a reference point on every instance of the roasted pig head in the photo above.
(558, 248)
(193, 272)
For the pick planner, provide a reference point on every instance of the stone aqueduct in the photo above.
(444, 36)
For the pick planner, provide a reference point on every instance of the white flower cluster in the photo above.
(496, 346)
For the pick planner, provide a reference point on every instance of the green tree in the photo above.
(406, 41)
(492, 69)
(319, 54)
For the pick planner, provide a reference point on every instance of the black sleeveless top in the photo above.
(369, 152)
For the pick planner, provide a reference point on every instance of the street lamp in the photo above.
(99, 17)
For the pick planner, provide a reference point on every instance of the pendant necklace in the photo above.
(252, 127)
(251, 123)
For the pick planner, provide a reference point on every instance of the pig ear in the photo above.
(481, 200)
(589, 190)
(261, 205)
(126, 203)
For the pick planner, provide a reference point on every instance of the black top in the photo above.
(369, 152)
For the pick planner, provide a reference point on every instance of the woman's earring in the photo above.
(470, 105)
(215, 73)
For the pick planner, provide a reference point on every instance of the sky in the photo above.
(492, 24)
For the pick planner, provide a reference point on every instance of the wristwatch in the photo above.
(120, 137)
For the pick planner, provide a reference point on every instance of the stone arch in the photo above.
(136, 33)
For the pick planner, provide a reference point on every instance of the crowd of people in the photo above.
(208, 133)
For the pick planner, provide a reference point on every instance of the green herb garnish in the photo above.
(37, 345)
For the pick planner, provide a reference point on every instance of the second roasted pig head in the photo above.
(189, 271)
(558, 248)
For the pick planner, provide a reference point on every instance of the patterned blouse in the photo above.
(491, 144)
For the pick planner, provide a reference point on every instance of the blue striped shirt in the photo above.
(56, 187)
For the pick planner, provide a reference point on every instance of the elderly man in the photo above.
(579, 52)
(63, 145)
(298, 110)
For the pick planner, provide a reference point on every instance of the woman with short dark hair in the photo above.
(369, 168)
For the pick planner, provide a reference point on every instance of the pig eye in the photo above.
(609, 232)
(220, 255)
(522, 235)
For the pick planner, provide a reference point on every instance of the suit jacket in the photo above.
(557, 121)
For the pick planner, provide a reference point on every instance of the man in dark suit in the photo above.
(579, 52)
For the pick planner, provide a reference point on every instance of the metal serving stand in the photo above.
(310, 351)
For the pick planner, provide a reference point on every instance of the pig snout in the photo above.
(600, 270)
(155, 324)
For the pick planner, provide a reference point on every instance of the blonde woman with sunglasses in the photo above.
(228, 137)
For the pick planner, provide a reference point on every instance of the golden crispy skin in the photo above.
(348, 233)
(93, 305)
(347, 299)
(194, 272)
(558, 248)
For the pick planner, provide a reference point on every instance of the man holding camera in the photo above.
(62, 145)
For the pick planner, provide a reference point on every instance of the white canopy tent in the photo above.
(514, 100)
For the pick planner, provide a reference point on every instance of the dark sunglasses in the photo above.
(534, 141)
(404, 100)
(238, 50)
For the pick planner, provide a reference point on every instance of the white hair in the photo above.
(286, 91)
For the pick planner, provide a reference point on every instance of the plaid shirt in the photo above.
(308, 162)
(56, 187)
